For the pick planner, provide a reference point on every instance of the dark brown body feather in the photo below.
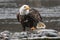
(29, 20)
(35, 15)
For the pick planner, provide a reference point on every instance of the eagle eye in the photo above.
(24, 6)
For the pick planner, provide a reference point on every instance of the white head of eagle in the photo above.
(24, 10)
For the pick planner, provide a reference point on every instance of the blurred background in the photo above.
(49, 10)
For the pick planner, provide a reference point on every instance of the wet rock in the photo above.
(5, 35)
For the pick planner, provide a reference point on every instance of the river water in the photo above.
(8, 20)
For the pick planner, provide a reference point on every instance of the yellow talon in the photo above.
(33, 28)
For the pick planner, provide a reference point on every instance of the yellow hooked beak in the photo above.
(27, 7)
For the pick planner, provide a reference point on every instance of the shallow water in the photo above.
(8, 20)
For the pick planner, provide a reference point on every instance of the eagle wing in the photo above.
(35, 15)
(20, 18)
(17, 15)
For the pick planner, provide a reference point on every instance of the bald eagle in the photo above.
(28, 17)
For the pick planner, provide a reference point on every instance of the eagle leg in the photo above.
(23, 28)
